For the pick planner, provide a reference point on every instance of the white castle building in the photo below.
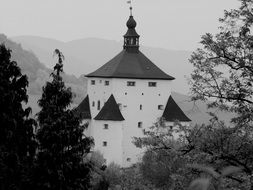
(125, 96)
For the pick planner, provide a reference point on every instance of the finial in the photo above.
(131, 7)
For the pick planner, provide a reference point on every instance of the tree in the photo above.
(164, 163)
(62, 144)
(223, 68)
(224, 74)
(17, 143)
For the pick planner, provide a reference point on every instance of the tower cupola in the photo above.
(131, 38)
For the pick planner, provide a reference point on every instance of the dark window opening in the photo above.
(160, 107)
(93, 104)
(98, 105)
(106, 126)
(130, 83)
(129, 159)
(104, 143)
(152, 84)
(140, 107)
(107, 83)
(93, 82)
(140, 124)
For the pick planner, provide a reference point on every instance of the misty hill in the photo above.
(86, 55)
(38, 73)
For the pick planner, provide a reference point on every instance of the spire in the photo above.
(131, 38)
(131, 7)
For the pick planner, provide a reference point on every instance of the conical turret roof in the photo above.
(83, 109)
(110, 111)
(173, 112)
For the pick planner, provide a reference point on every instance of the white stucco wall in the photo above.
(130, 97)
(112, 152)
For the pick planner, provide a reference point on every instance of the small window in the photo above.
(98, 105)
(140, 107)
(93, 104)
(125, 93)
(104, 143)
(140, 124)
(107, 83)
(160, 107)
(106, 126)
(142, 94)
(129, 159)
(120, 106)
(93, 82)
(152, 84)
(130, 83)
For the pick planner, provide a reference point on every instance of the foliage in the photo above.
(224, 74)
(17, 143)
(62, 144)
(38, 73)
(114, 177)
(165, 161)
(204, 183)
(223, 68)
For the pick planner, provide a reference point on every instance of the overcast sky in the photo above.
(170, 24)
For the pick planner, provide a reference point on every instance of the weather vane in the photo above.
(131, 7)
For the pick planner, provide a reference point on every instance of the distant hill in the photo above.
(86, 55)
(97, 51)
(38, 73)
(198, 111)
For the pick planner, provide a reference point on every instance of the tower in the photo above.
(124, 97)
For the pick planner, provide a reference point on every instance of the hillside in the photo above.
(38, 73)
(86, 55)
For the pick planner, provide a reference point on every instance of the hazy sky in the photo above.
(170, 24)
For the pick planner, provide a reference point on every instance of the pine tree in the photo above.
(17, 143)
(62, 144)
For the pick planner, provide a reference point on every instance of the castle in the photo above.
(125, 96)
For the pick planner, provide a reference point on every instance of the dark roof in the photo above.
(110, 111)
(173, 112)
(83, 109)
(130, 65)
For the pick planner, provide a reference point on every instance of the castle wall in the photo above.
(108, 140)
(137, 103)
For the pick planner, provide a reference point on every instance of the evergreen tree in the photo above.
(17, 144)
(62, 144)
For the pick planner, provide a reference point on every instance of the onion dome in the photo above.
(131, 23)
